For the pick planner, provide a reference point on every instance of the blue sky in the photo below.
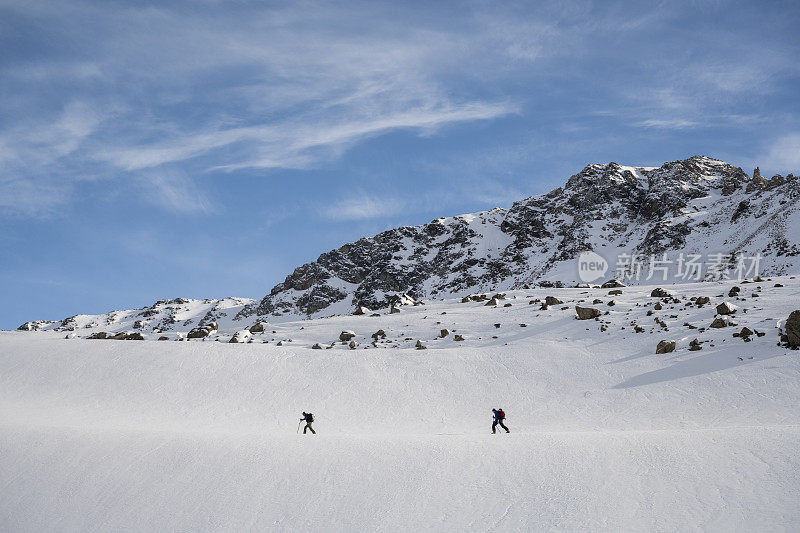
(204, 149)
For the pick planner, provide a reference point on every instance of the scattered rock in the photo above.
(203, 330)
(361, 310)
(658, 292)
(587, 313)
(444, 333)
(726, 308)
(163, 338)
(316, 346)
(258, 327)
(702, 300)
(352, 345)
(345, 336)
(665, 347)
(493, 301)
(552, 300)
(611, 284)
(240, 336)
(380, 334)
(719, 322)
(135, 336)
(458, 338)
(420, 346)
(616, 292)
(98, 335)
(658, 306)
(792, 329)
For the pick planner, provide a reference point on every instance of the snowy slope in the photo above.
(606, 435)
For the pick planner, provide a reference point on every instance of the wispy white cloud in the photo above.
(174, 191)
(669, 124)
(783, 154)
(363, 206)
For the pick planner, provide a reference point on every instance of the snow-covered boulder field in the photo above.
(606, 434)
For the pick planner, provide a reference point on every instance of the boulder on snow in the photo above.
(444, 333)
(394, 310)
(239, 336)
(702, 300)
(792, 329)
(135, 336)
(611, 284)
(658, 292)
(552, 300)
(458, 338)
(380, 334)
(726, 308)
(615, 292)
(118, 336)
(203, 330)
(163, 338)
(493, 301)
(361, 310)
(665, 347)
(258, 327)
(316, 346)
(587, 313)
(346, 335)
(420, 346)
(719, 322)
(98, 335)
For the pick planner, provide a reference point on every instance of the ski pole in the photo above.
(298, 426)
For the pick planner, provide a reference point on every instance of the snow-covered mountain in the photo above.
(695, 208)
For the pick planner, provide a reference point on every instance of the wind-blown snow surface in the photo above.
(606, 435)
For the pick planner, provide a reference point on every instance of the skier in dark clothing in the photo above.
(309, 418)
(499, 416)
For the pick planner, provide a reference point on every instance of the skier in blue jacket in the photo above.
(499, 416)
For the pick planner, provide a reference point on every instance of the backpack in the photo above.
(309, 417)
(500, 414)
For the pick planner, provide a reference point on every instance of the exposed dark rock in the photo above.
(587, 313)
(665, 347)
(726, 308)
(792, 329)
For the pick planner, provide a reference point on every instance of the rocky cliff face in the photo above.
(695, 206)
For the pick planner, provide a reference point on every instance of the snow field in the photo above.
(606, 435)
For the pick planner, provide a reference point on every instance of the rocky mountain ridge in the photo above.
(695, 206)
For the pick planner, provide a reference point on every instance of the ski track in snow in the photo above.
(100, 435)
